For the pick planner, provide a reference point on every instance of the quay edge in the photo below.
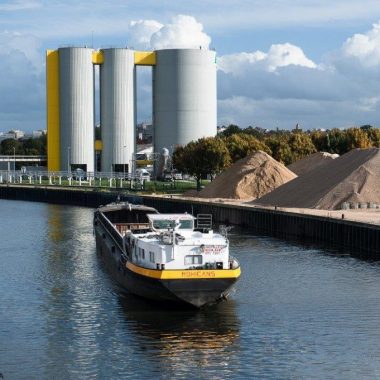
(358, 238)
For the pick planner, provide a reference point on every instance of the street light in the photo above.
(124, 159)
(14, 162)
(68, 159)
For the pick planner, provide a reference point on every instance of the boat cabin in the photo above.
(173, 243)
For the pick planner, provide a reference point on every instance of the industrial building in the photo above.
(184, 103)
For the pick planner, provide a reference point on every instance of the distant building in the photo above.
(145, 133)
(12, 134)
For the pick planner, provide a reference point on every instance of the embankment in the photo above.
(359, 238)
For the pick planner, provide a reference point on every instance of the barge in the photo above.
(164, 257)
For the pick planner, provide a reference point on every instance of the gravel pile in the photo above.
(353, 178)
(248, 179)
(312, 162)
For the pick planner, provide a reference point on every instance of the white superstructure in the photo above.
(172, 243)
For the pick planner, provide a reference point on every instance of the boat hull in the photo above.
(195, 288)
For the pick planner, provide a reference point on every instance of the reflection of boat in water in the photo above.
(182, 338)
(163, 256)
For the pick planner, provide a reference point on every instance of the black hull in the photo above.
(194, 292)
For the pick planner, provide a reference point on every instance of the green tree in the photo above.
(321, 140)
(230, 130)
(10, 147)
(301, 145)
(240, 145)
(206, 156)
(280, 149)
(357, 138)
(374, 136)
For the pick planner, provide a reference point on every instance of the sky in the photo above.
(315, 63)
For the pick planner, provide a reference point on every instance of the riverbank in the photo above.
(357, 231)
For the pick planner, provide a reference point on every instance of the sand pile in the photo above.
(248, 179)
(353, 177)
(311, 162)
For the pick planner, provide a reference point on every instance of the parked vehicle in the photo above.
(142, 175)
(177, 175)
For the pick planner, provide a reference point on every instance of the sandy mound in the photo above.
(311, 162)
(249, 178)
(353, 177)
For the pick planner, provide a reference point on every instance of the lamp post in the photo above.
(124, 158)
(14, 163)
(68, 159)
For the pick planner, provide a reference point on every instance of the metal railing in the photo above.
(119, 180)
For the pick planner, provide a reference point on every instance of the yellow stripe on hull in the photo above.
(186, 274)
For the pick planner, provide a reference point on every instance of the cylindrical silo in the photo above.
(184, 97)
(117, 109)
(76, 98)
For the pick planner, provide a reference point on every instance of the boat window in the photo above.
(151, 257)
(193, 259)
(186, 224)
(165, 224)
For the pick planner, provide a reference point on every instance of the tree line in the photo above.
(30, 146)
(211, 155)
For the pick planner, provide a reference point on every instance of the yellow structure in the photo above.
(97, 57)
(145, 58)
(98, 145)
(52, 107)
(142, 58)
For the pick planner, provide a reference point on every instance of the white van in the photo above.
(142, 175)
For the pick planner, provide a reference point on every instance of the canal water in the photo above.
(298, 312)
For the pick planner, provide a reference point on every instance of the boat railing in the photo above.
(123, 228)
(110, 228)
(204, 222)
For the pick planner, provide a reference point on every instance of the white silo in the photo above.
(76, 98)
(184, 96)
(117, 109)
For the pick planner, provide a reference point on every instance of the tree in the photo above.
(357, 138)
(206, 156)
(230, 130)
(301, 145)
(280, 149)
(10, 147)
(321, 141)
(374, 136)
(240, 145)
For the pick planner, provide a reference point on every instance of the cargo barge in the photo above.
(164, 257)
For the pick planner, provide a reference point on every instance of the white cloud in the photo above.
(280, 55)
(22, 82)
(18, 5)
(27, 45)
(283, 87)
(364, 47)
(183, 32)
(140, 33)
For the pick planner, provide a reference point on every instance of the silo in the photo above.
(117, 109)
(76, 96)
(184, 97)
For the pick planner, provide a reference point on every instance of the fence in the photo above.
(125, 181)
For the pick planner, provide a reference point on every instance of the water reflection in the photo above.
(184, 339)
(72, 304)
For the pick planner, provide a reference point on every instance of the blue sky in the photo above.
(312, 62)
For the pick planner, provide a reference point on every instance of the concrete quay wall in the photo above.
(358, 238)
